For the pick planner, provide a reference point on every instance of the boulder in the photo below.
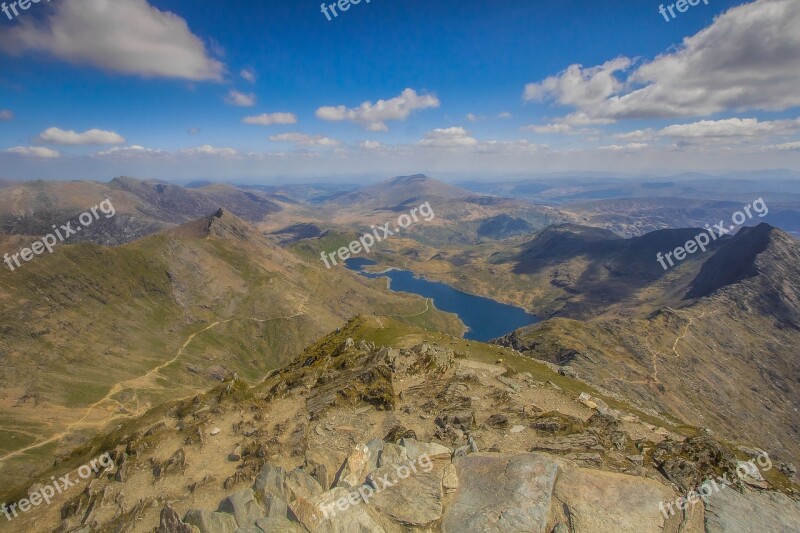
(271, 480)
(355, 468)
(275, 506)
(277, 525)
(501, 493)
(208, 522)
(411, 493)
(244, 507)
(751, 512)
(170, 522)
(416, 449)
(300, 484)
(336, 511)
(392, 454)
(605, 501)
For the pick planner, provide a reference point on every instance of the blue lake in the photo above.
(485, 318)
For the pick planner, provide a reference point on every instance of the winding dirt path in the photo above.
(140, 380)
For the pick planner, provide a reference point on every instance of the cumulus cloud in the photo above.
(632, 147)
(126, 36)
(371, 145)
(472, 117)
(716, 131)
(748, 58)
(207, 149)
(92, 136)
(267, 119)
(448, 137)
(374, 116)
(549, 128)
(234, 97)
(6, 114)
(129, 151)
(578, 86)
(301, 139)
(732, 127)
(248, 74)
(33, 151)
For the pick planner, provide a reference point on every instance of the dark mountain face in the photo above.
(631, 259)
(735, 261)
(503, 226)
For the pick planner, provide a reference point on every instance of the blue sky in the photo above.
(162, 89)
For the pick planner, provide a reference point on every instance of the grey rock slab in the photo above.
(300, 484)
(208, 522)
(392, 454)
(277, 525)
(244, 507)
(752, 512)
(608, 501)
(338, 511)
(275, 506)
(416, 449)
(501, 493)
(375, 447)
(271, 480)
(410, 493)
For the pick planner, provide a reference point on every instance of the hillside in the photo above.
(93, 335)
(724, 357)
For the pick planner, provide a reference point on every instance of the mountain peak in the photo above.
(762, 249)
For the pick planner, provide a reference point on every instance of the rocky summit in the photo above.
(429, 433)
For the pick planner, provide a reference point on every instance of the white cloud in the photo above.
(301, 139)
(371, 145)
(448, 137)
(193, 131)
(632, 147)
(127, 36)
(267, 119)
(248, 74)
(792, 146)
(549, 128)
(732, 127)
(578, 86)
(374, 116)
(504, 115)
(637, 135)
(207, 149)
(33, 151)
(129, 151)
(717, 131)
(234, 97)
(92, 136)
(748, 58)
(6, 114)
(471, 117)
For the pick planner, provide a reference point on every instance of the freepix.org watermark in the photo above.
(343, 5)
(365, 492)
(712, 234)
(367, 241)
(710, 486)
(23, 5)
(48, 492)
(49, 241)
(681, 5)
